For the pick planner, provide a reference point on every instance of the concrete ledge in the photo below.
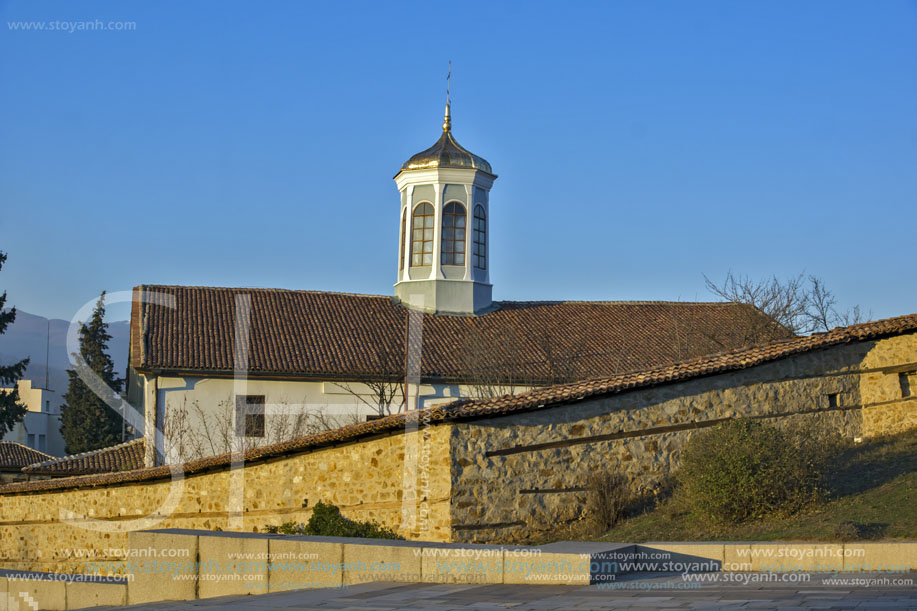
(166, 565)
(528, 567)
(49, 595)
(369, 562)
(298, 563)
(52, 591)
(470, 565)
(680, 557)
(187, 564)
(87, 594)
(881, 557)
(231, 565)
(781, 557)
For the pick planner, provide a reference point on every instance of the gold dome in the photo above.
(447, 153)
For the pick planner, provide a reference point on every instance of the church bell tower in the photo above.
(444, 248)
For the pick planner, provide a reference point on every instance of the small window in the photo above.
(422, 235)
(453, 239)
(41, 443)
(832, 400)
(48, 406)
(31, 440)
(250, 416)
(480, 238)
(906, 381)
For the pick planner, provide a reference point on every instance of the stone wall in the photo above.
(517, 477)
(526, 476)
(367, 480)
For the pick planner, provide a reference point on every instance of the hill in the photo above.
(873, 495)
(29, 337)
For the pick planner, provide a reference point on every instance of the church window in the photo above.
(250, 415)
(453, 249)
(480, 238)
(422, 235)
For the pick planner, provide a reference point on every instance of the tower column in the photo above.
(404, 273)
(469, 221)
(437, 272)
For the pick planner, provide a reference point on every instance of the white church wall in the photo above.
(196, 413)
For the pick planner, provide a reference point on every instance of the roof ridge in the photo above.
(500, 301)
(84, 454)
(25, 447)
(256, 288)
(620, 302)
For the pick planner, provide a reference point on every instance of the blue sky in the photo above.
(639, 145)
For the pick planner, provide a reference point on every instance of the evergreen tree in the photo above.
(11, 411)
(87, 422)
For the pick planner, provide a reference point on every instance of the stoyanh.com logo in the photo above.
(70, 27)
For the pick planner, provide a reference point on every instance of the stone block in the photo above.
(681, 557)
(232, 564)
(297, 564)
(790, 557)
(48, 594)
(4, 598)
(470, 565)
(370, 562)
(83, 594)
(532, 567)
(880, 557)
(737, 557)
(165, 566)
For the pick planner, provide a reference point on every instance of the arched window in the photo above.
(422, 237)
(453, 234)
(480, 237)
(404, 220)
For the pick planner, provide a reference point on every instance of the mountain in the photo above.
(29, 337)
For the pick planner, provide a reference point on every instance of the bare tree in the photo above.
(322, 421)
(800, 304)
(822, 313)
(195, 432)
(385, 382)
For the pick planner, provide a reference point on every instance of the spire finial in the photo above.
(447, 118)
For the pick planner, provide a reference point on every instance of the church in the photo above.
(208, 365)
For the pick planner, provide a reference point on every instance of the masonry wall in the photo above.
(526, 476)
(512, 478)
(367, 480)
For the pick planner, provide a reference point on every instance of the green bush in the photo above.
(743, 469)
(327, 521)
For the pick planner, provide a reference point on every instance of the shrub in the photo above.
(743, 469)
(609, 500)
(327, 521)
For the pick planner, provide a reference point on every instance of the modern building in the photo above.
(40, 428)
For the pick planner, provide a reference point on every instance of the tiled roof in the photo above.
(320, 334)
(536, 399)
(126, 456)
(14, 456)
